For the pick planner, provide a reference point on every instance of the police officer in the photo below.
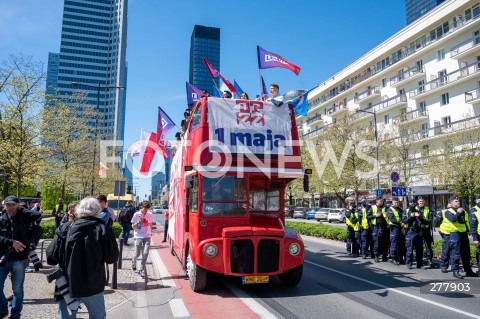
(458, 221)
(376, 214)
(397, 239)
(366, 229)
(353, 230)
(475, 228)
(427, 232)
(444, 232)
(415, 223)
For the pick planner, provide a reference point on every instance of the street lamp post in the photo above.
(95, 133)
(376, 143)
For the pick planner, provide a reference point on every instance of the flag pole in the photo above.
(215, 83)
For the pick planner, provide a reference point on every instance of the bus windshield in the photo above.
(264, 200)
(224, 196)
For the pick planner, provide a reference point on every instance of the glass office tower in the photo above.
(416, 8)
(205, 42)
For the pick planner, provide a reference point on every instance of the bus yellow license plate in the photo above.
(255, 279)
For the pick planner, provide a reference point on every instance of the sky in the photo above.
(322, 37)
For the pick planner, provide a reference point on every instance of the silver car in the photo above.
(322, 214)
(156, 209)
(336, 215)
(299, 212)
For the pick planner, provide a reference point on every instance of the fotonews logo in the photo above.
(250, 112)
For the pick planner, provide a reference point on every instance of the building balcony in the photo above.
(406, 76)
(411, 117)
(445, 129)
(389, 103)
(367, 95)
(315, 119)
(472, 96)
(446, 81)
(315, 132)
(338, 110)
(465, 48)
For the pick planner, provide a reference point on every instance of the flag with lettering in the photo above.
(268, 60)
(164, 125)
(193, 94)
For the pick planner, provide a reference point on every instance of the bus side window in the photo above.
(196, 118)
(194, 195)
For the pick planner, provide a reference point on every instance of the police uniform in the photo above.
(444, 231)
(353, 230)
(397, 239)
(458, 224)
(415, 226)
(366, 229)
(427, 233)
(475, 228)
(380, 231)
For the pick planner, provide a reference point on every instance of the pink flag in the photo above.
(214, 73)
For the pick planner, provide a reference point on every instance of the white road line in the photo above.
(251, 302)
(178, 308)
(468, 314)
(162, 269)
(141, 304)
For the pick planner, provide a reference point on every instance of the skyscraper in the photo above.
(417, 8)
(205, 42)
(93, 52)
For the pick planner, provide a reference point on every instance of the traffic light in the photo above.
(305, 183)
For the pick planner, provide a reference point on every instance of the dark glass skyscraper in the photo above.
(417, 8)
(205, 42)
(93, 52)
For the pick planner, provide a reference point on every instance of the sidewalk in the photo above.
(122, 302)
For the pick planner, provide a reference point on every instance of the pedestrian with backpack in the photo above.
(125, 219)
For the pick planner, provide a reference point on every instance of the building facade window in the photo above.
(446, 121)
(386, 118)
(445, 99)
(440, 54)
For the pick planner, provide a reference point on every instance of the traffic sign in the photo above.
(379, 192)
(394, 184)
(399, 191)
(395, 177)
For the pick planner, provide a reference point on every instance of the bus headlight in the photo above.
(210, 250)
(294, 249)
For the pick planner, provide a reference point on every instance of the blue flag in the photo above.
(264, 90)
(216, 92)
(300, 103)
(239, 90)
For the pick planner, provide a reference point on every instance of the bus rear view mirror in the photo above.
(188, 181)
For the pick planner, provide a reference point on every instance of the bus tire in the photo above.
(197, 276)
(291, 277)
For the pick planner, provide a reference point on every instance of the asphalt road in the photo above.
(335, 285)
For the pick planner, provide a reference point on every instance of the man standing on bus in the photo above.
(142, 230)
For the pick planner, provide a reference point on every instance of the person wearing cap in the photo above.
(427, 233)
(415, 222)
(475, 229)
(444, 232)
(397, 239)
(376, 214)
(14, 246)
(365, 229)
(353, 230)
(458, 223)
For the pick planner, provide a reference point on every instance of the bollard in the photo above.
(114, 276)
(121, 252)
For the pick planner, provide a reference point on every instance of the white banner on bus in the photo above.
(250, 126)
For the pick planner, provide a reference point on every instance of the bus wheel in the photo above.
(291, 277)
(197, 276)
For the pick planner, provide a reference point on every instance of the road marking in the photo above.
(178, 308)
(162, 269)
(251, 303)
(141, 304)
(468, 314)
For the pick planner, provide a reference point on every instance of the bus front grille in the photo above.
(242, 256)
(268, 253)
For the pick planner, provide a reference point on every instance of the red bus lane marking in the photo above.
(218, 303)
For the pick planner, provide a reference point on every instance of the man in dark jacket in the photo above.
(89, 245)
(14, 245)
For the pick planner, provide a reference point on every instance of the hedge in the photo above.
(340, 234)
(49, 228)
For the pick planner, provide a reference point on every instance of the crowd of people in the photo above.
(84, 242)
(384, 231)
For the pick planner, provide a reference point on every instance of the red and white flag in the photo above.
(148, 142)
(102, 170)
(214, 73)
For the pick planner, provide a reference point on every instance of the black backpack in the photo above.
(124, 215)
(56, 251)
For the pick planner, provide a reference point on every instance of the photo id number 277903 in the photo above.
(439, 287)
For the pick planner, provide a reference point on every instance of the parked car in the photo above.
(288, 211)
(311, 213)
(322, 214)
(336, 215)
(156, 209)
(299, 212)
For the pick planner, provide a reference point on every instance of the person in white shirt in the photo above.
(275, 98)
(142, 233)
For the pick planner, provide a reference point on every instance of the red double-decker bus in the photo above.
(226, 199)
